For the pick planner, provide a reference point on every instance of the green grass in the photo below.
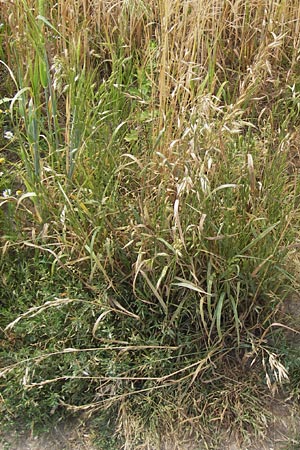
(149, 208)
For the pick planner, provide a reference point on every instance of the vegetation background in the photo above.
(149, 214)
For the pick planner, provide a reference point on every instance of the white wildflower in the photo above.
(6, 193)
(8, 135)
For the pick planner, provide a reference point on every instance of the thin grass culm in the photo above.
(149, 209)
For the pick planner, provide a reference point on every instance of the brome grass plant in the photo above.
(149, 208)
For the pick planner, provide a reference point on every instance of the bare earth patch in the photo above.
(282, 434)
(68, 436)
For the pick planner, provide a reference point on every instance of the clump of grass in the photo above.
(153, 146)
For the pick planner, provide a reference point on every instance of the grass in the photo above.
(149, 210)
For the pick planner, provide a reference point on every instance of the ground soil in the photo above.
(282, 434)
(67, 436)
